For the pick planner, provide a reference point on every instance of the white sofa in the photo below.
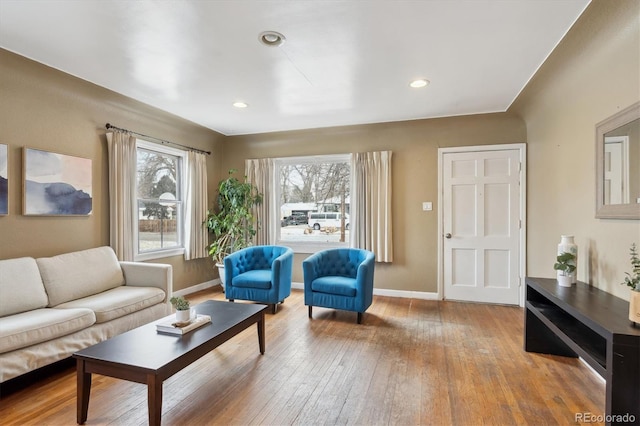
(52, 307)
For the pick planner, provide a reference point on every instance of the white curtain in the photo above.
(196, 236)
(261, 173)
(122, 178)
(371, 206)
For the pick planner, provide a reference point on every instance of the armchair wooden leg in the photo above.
(359, 317)
(274, 308)
(310, 309)
(231, 300)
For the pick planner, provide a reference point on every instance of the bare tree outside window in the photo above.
(159, 200)
(308, 190)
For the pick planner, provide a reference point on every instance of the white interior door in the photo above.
(481, 221)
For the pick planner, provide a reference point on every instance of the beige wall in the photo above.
(415, 177)
(46, 109)
(593, 73)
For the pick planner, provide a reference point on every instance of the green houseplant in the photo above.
(182, 308)
(632, 280)
(565, 262)
(232, 225)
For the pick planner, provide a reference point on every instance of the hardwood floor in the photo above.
(411, 362)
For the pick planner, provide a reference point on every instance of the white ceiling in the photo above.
(344, 62)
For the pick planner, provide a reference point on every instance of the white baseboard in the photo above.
(391, 293)
(197, 287)
(300, 286)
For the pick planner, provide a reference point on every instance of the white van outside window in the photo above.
(327, 220)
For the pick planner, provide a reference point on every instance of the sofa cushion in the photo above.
(21, 287)
(80, 274)
(40, 325)
(342, 286)
(117, 302)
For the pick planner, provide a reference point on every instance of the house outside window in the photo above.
(313, 205)
(160, 204)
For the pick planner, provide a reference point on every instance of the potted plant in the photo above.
(182, 308)
(232, 224)
(565, 264)
(633, 280)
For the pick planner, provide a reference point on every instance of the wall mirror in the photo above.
(618, 165)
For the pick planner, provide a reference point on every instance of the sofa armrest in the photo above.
(141, 274)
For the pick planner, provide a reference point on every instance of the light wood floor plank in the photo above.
(411, 362)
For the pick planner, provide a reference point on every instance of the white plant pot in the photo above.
(183, 316)
(220, 267)
(565, 280)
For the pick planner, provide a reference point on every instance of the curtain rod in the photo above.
(110, 126)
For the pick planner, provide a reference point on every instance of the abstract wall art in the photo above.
(4, 180)
(56, 184)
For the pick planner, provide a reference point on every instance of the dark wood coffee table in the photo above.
(143, 355)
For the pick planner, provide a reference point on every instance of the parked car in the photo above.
(293, 220)
(324, 220)
(300, 218)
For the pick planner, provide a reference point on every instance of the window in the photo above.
(159, 196)
(313, 201)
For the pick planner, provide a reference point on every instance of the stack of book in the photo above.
(170, 326)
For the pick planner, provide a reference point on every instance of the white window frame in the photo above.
(173, 251)
(310, 247)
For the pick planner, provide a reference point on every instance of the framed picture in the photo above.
(56, 184)
(4, 180)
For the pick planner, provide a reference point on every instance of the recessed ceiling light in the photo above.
(271, 38)
(240, 104)
(419, 83)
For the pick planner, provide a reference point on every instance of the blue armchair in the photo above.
(339, 279)
(260, 274)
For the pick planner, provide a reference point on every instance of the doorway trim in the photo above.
(522, 149)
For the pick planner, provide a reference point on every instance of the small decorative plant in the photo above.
(180, 303)
(633, 279)
(565, 263)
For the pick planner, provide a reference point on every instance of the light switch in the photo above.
(427, 206)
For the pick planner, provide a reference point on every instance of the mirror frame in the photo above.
(613, 211)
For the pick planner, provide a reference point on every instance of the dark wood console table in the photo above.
(594, 325)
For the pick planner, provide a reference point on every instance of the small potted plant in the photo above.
(182, 308)
(632, 280)
(565, 263)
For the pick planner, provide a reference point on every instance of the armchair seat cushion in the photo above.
(334, 284)
(259, 278)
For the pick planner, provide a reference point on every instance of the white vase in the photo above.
(565, 280)
(634, 306)
(568, 246)
(183, 316)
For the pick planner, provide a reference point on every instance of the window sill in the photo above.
(310, 248)
(140, 257)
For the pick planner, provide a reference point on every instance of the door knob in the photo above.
(447, 235)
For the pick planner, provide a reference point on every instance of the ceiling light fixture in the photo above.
(416, 84)
(271, 38)
(240, 104)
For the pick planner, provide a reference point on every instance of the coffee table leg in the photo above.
(261, 332)
(154, 399)
(83, 383)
